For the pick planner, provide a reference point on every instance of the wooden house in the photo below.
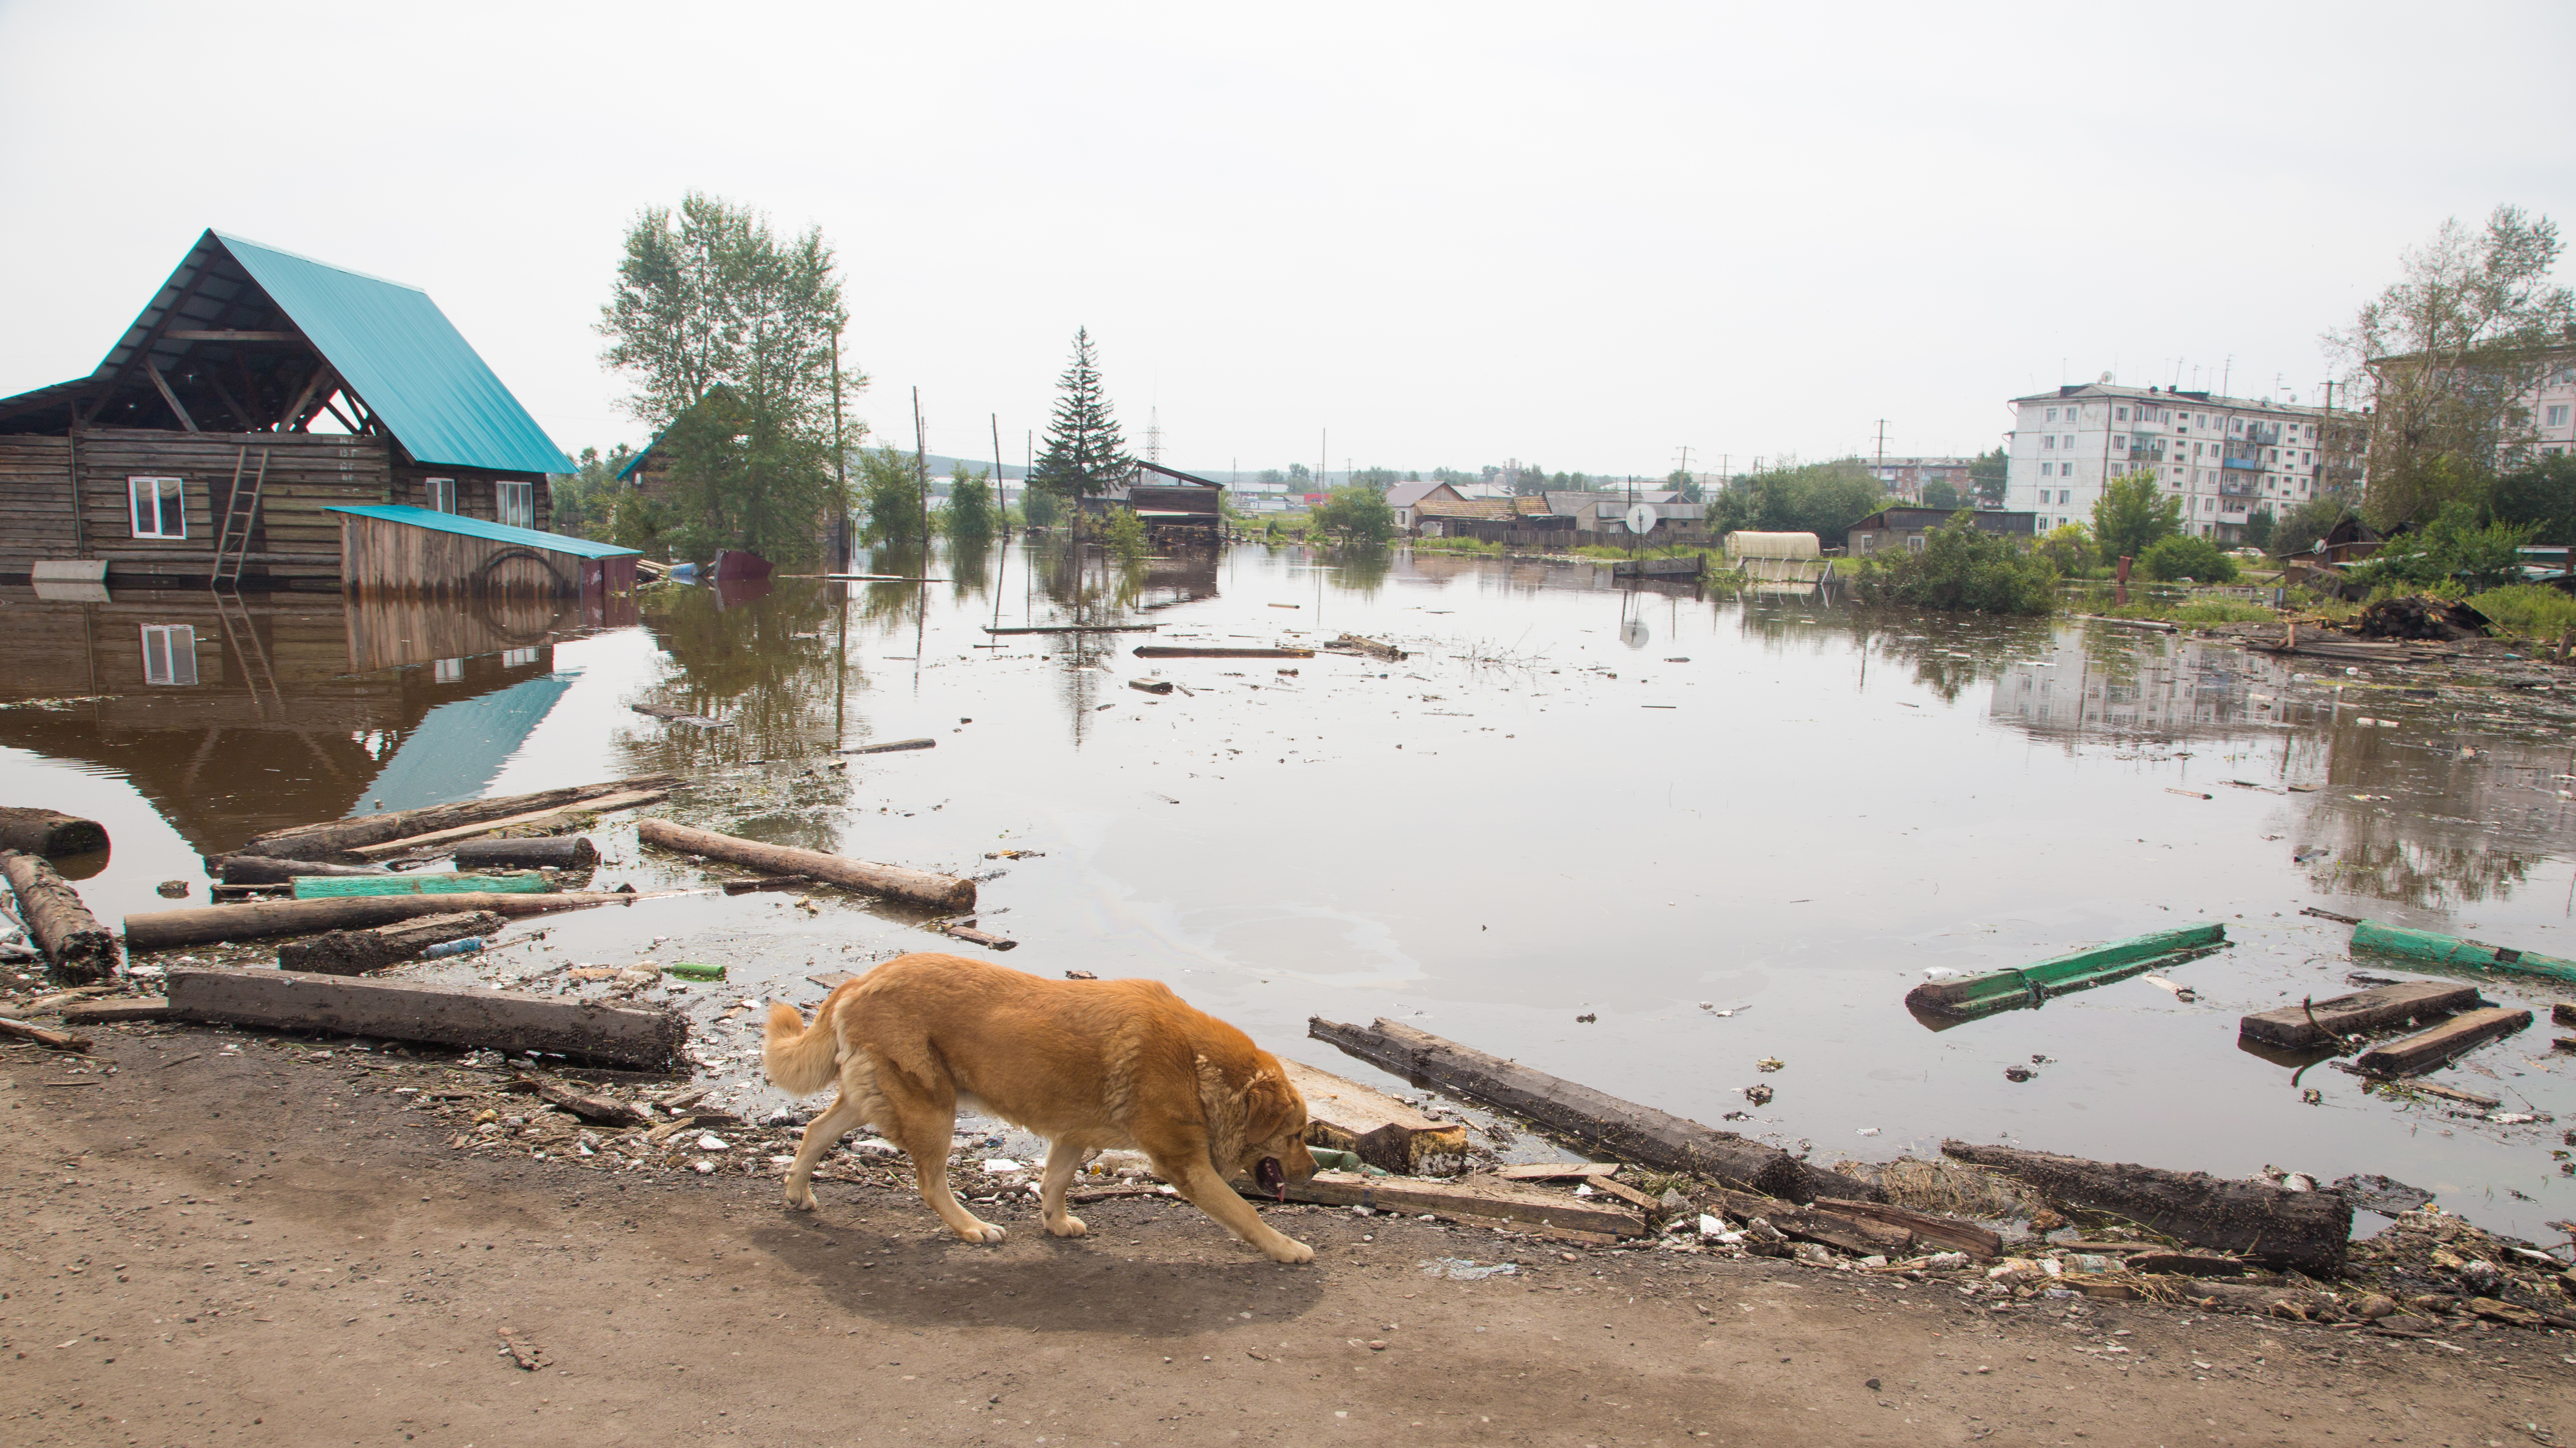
(1892, 530)
(190, 453)
(1173, 505)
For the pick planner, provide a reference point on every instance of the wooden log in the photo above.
(765, 882)
(984, 938)
(894, 747)
(545, 819)
(945, 892)
(1375, 1127)
(207, 924)
(341, 837)
(603, 1110)
(2325, 1023)
(556, 852)
(2373, 937)
(463, 1016)
(1373, 648)
(341, 887)
(2028, 985)
(116, 1008)
(1076, 628)
(2306, 1230)
(1406, 1194)
(1948, 1232)
(1597, 1118)
(49, 833)
(1144, 652)
(270, 870)
(1150, 686)
(355, 952)
(58, 1040)
(75, 944)
(1844, 1231)
(2563, 1013)
(2445, 1043)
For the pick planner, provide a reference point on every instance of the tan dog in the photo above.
(1085, 1064)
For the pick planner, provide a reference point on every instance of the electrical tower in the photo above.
(1154, 435)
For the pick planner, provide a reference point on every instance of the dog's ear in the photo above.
(1271, 1106)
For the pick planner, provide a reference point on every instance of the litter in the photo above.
(2011, 989)
(1459, 1269)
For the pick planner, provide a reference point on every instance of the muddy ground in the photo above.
(210, 1246)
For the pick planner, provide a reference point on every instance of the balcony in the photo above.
(2250, 465)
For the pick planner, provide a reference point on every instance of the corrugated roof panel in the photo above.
(393, 345)
(488, 532)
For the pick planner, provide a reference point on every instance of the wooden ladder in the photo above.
(242, 633)
(240, 516)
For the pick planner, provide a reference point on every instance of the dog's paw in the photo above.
(985, 1233)
(800, 1197)
(1070, 1227)
(1290, 1251)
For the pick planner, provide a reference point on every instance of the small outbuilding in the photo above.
(1905, 529)
(396, 549)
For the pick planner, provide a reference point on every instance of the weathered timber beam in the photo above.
(207, 924)
(338, 837)
(2307, 1230)
(153, 369)
(75, 944)
(465, 1016)
(923, 887)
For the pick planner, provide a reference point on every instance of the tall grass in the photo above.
(2532, 609)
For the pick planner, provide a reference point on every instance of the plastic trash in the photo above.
(695, 970)
(712, 1142)
(470, 945)
(1459, 1269)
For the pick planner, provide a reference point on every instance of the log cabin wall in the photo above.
(293, 542)
(475, 495)
(37, 520)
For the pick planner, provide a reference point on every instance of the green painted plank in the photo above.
(2375, 938)
(316, 887)
(2081, 970)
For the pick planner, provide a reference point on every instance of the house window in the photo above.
(2119, 414)
(442, 495)
(2052, 414)
(2558, 415)
(2064, 496)
(1868, 542)
(2048, 440)
(169, 653)
(2048, 470)
(447, 671)
(514, 658)
(1914, 543)
(160, 507)
(515, 504)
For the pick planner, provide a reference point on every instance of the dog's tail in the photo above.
(800, 1059)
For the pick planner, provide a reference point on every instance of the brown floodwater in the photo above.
(1728, 829)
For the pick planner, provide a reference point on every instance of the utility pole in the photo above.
(921, 480)
(1001, 494)
(840, 473)
(1881, 468)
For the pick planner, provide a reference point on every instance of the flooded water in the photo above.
(1569, 801)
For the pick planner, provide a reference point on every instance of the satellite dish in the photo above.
(1635, 634)
(1641, 519)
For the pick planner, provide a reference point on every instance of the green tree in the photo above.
(969, 514)
(1123, 533)
(1962, 569)
(2300, 528)
(2183, 556)
(2447, 356)
(890, 492)
(1820, 498)
(2541, 493)
(1986, 474)
(2259, 527)
(2455, 548)
(729, 336)
(1085, 453)
(2133, 515)
(1357, 513)
(1941, 493)
(586, 499)
(2068, 549)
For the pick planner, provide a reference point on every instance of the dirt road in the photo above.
(210, 1246)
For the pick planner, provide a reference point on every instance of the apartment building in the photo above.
(2224, 457)
(1905, 477)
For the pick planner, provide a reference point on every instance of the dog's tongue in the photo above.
(1269, 1175)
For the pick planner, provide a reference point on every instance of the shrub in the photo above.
(1123, 533)
(2535, 609)
(1358, 513)
(2452, 549)
(2068, 549)
(1962, 569)
(2184, 556)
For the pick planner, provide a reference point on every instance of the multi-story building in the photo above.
(2226, 458)
(1905, 477)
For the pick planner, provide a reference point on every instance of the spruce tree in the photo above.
(1085, 455)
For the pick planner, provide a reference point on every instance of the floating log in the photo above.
(1405, 1194)
(341, 837)
(1143, 652)
(463, 1016)
(898, 744)
(1947, 1232)
(1077, 628)
(334, 887)
(1151, 686)
(1375, 1127)
(548, 822)
(2306, 1230)
(58, 1040)
(552, 852)
(984, 938)
(2028, 985)
(207, 924)
(75, 944)
(945, 892)
(1597, 1118)
(116, 1008)
(681, 716)
(2445, 1043)
(49, 833)
(355, 952)
(2375, 938)
(270, 870)
(2325, 1023)
(765, 882)
(2563, 1013)
(1353, 643)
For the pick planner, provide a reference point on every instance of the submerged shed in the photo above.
(398, 549)
(190, 453)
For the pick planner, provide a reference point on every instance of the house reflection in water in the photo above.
(2165, 686)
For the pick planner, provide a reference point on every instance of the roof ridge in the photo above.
(230, 239)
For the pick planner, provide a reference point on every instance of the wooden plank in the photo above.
(329, 887)
(1553, 1171)
(58, 1040)
(923, 887)
(2325, 1023)
(1374, 1126)
(355, 952)
(895, 747)
(2027, 985)
(210, 924)
(1857, 1235)
(1949, 1232)
(464, 1016)
(1143, 652)
(420, 826)
(560, 817)
(116, 1008)
(1408, 1194)
(2447, 1042)
(1596, 1118)
(2306, 1230)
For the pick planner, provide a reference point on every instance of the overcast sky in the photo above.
(1584, 235)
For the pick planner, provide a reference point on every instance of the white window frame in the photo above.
(163, 512)
(170, 654)
(442, 494)
(514, 504)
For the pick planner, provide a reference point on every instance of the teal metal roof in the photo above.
(488, 532)
(398, 351)
(460, 747)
